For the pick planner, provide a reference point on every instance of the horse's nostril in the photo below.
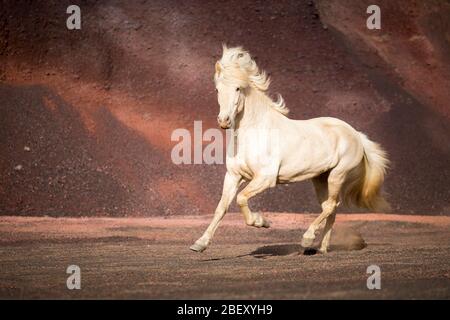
(225, 119)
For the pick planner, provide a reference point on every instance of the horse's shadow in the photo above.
(281, 250)
(292, 248)
(277, 250)
(273, 251)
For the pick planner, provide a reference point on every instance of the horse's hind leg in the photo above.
(257, 185)
(327, 233)
(335, 180)
(321, 188)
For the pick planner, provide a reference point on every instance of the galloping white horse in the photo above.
(344, 165)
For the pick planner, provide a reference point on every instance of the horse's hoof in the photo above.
(198, 247)
(264, 224)
(260, 222)
(307, 242)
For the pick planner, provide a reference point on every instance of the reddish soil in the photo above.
(87, 115)
(149, 258)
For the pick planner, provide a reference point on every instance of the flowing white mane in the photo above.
(237, 67)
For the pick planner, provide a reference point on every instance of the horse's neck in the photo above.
(256, 111)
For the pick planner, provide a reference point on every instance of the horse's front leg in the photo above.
(257, 185)
(230, 186)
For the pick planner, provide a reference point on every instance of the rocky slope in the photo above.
(87, 115)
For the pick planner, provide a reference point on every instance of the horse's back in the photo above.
(334, 127)
(330, 122)
(342, 139)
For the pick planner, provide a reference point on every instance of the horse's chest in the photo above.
(237, 165)
(248, 155)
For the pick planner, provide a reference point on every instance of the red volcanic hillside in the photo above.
(87, 115)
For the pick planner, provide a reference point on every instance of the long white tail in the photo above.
(363, 184)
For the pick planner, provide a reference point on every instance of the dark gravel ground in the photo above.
(149, 258)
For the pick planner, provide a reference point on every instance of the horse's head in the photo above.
(231, 101)
(232, 79)
(236, 76)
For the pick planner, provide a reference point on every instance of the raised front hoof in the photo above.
(260, 222)
(307, 242)
(264, 224)
(198, 247)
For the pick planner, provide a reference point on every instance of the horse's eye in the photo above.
(217, 90)
(237, 89)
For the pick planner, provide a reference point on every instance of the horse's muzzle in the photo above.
(224, 123)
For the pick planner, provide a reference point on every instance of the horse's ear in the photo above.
(218, 67)
(224, 47)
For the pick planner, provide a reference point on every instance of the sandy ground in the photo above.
(149, 258)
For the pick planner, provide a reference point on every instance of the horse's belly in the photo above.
(287, 175)
(299, 167)
(295, 178)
